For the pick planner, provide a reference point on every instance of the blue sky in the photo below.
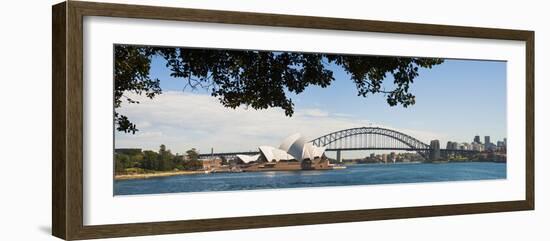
(454, 101)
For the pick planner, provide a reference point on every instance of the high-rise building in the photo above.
(477, 140)
(487, 140)
(488, 145)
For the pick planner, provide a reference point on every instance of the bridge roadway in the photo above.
(232, 154)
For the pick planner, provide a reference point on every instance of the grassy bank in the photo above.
(144, 175)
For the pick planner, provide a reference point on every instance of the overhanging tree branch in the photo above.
(259, 79)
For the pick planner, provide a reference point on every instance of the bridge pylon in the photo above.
(339, 156)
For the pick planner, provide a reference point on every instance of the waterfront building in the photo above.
(293, 148)
(272, 154)
(300, 149)
(211, 164)
(294, 153)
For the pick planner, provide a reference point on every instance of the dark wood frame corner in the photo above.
(67, 123)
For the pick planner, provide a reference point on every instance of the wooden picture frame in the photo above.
(67, 123)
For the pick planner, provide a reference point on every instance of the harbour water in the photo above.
(360, 174)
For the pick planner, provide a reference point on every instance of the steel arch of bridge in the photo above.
(371, 138)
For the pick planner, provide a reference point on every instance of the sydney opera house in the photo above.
(294, 153)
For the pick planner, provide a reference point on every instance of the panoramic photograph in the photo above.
(207, 120)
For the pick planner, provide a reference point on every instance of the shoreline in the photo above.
(177, 173)
(154, 175)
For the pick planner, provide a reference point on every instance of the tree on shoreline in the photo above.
(258, 79)
(193, 159)
(163, 160)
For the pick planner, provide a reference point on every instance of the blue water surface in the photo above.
(361, 174)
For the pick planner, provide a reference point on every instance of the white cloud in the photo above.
(185, 120)
(313, 113)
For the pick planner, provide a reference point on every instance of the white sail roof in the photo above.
(308, 151)
(297, 148)
(287, 142)
(281, 155)
(294, 147)
(267, 151)
(274, 154)
(319, 151)
(248, 158)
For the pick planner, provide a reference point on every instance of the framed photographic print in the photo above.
(170, 120)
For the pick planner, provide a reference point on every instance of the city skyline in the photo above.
(183, 119)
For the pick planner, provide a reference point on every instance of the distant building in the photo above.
(435, 152)
(211, 164)
(451, 145)
(478, 147)
(490, 147)
(487, 140)
(501, 146)
(466, 146)
(477, 140)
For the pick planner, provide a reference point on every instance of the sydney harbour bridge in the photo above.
(368, 138)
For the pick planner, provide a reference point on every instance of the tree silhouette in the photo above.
(258, 79)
